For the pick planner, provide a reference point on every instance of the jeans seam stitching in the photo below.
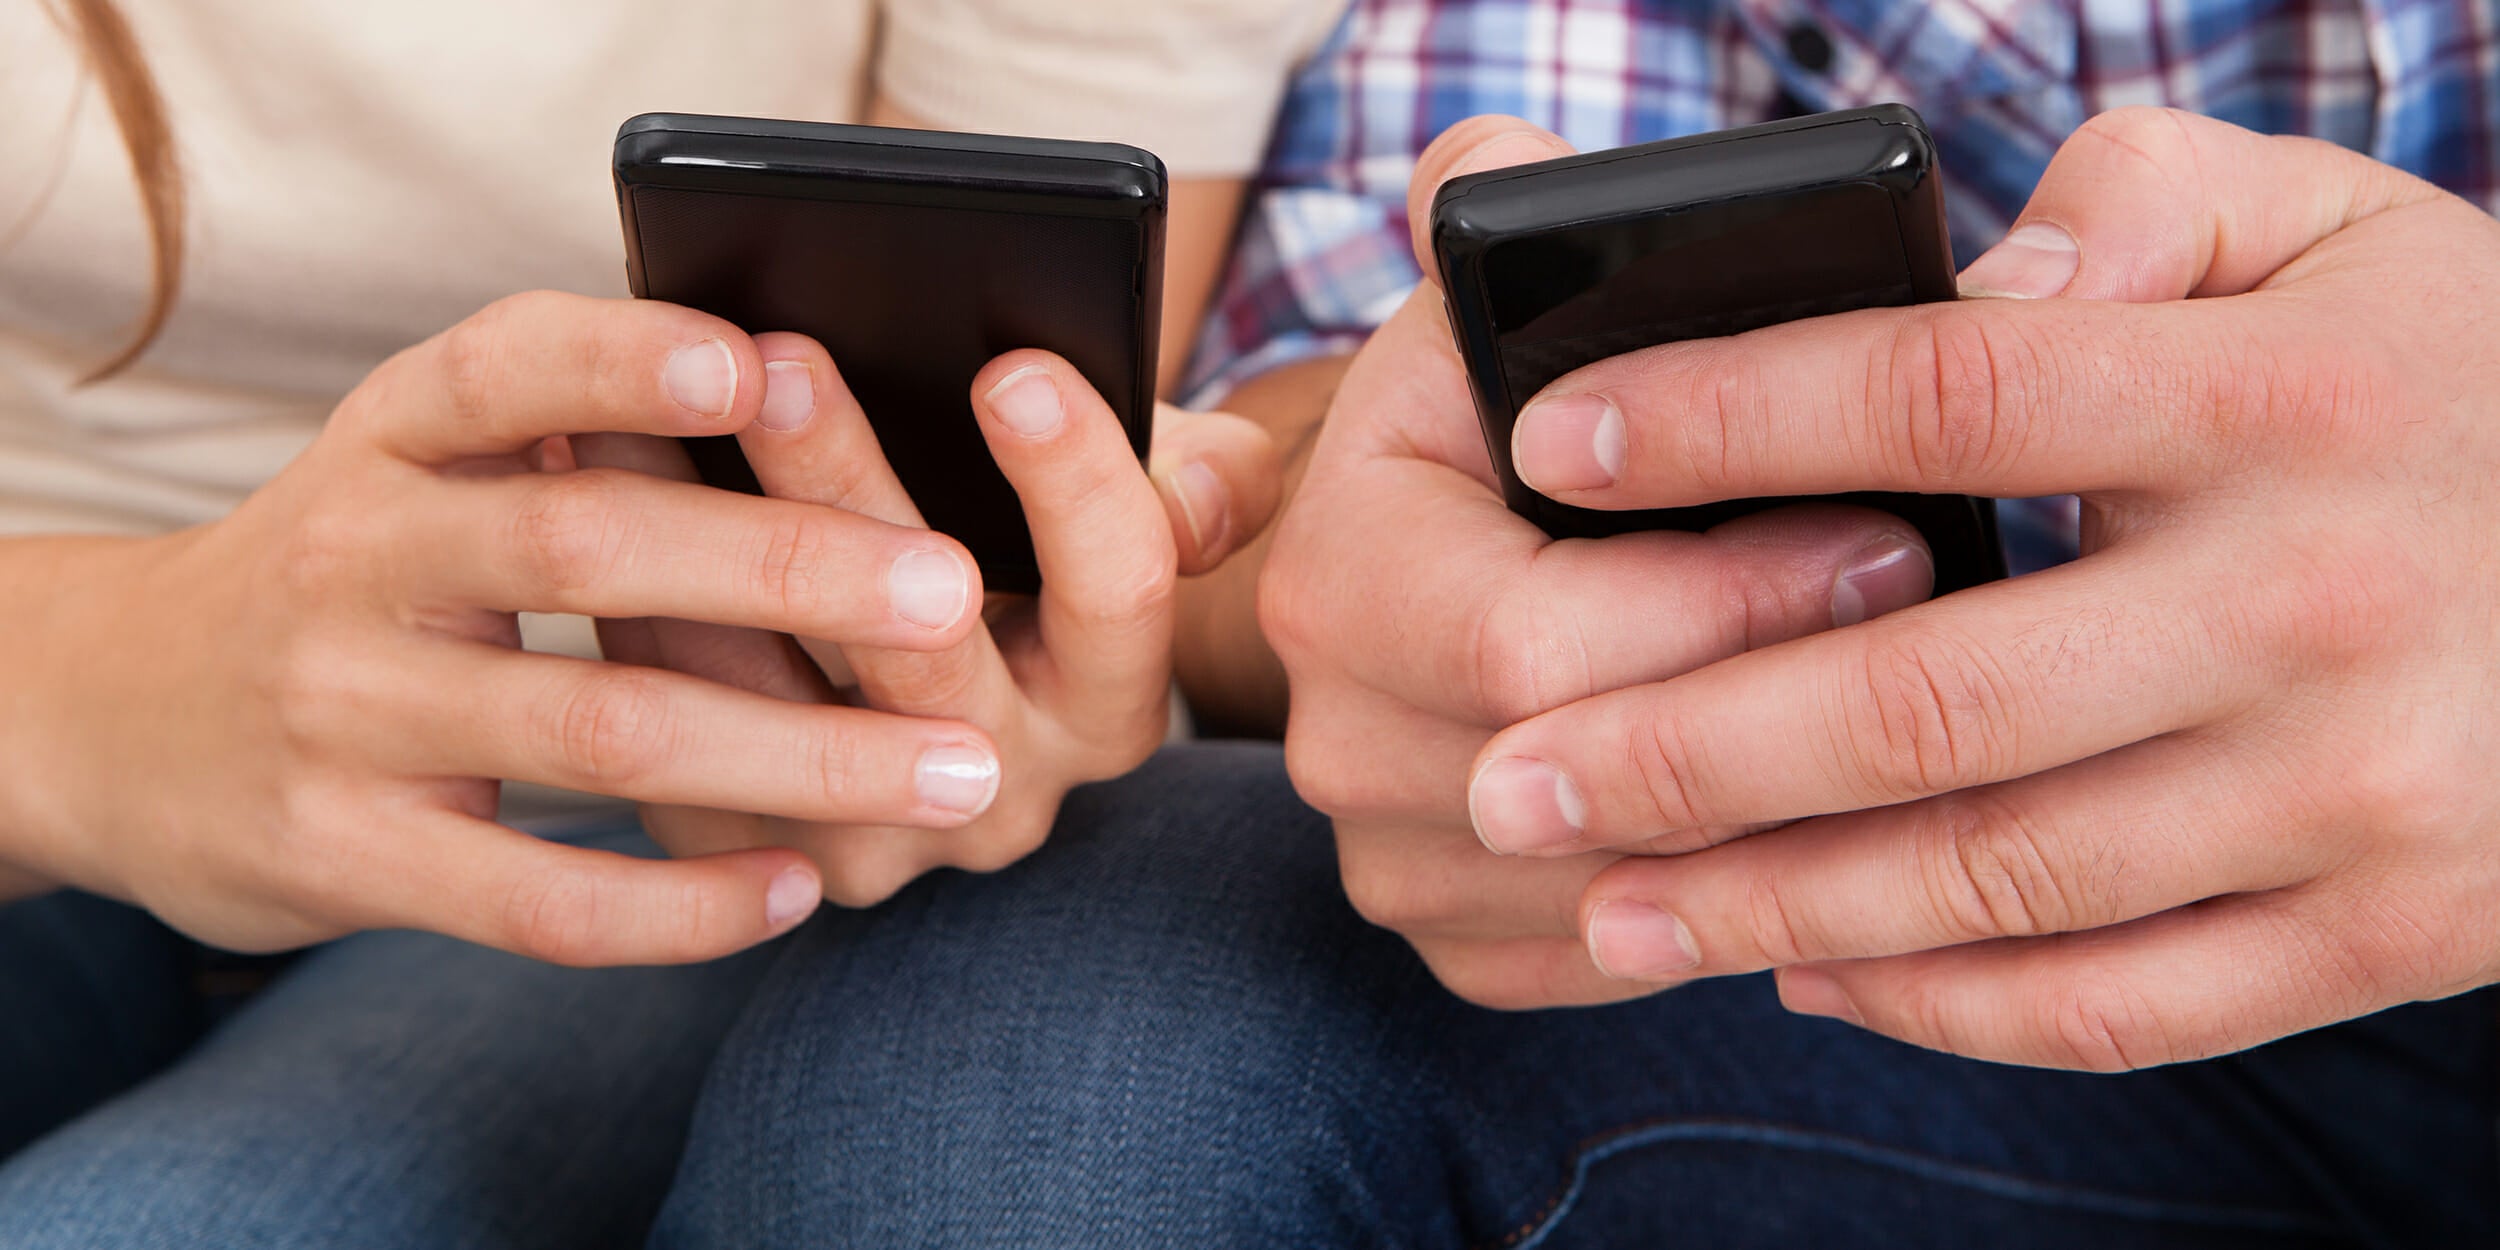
(1600, 1147)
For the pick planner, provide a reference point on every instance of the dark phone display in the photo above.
(911, 300)
(1574, 297)
(1555, 266)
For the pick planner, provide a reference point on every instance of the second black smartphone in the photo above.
(1562, 263)
(915, 257)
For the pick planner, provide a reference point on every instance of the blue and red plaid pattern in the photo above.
(1324, 256)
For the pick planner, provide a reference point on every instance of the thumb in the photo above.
(2144, 205)
(1220, 477)
(1470, 147)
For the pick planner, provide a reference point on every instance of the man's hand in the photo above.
(1415, 615)
(2227, 777)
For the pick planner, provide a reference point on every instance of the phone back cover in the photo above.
(915, 258)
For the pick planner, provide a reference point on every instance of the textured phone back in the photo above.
(912, 299)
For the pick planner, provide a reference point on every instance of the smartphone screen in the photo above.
(1557, 265)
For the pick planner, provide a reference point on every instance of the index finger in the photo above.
(532, 366)
(1987, 397)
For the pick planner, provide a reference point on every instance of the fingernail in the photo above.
(789, 395)
(1569, 442)
(2034, 262)
(1206, 504)
(791, 898)
(1519, 804)
(702, 377)
(1808, 992)
(1891, 574)
(1633, 941)
(959, 779)
(928, 587)
(1027, 401)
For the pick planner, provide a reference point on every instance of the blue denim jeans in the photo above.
(387, 1090)
(1167, 1028)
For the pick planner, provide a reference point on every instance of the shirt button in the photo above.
(1809, 48)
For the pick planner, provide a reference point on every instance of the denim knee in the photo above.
(1155, 1030)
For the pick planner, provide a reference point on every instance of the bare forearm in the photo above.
(1225, 667)
(38, 580)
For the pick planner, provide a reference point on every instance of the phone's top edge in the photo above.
(1452, 217)
(871, 140)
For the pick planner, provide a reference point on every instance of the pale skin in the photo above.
(2225, 778)
(291, 723)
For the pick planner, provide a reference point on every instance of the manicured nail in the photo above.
(959, 779)
(789, 395)
(1569, 442)
(702, 377)
(1027, 401)
(1808, 992)
(928, 587)
(1206, 504)
(2034, 262)
(1633, 941)
(1520, 805)
(791, 898)
(1891, 574)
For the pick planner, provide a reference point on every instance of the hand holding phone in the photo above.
(1554, 265)
(898, 283)
(916, 258)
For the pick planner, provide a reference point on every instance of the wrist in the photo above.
(54, 618)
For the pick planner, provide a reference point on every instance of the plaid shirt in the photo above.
(1324, 255)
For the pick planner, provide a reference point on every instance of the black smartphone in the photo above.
(1552, 266)
(915, 257)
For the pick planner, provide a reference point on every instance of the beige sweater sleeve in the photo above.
(1196, 82)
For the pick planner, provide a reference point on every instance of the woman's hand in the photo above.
(286, 725)
(1070, 686)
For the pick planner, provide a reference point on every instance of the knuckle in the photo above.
(1476, 976)
(1657, 752)
(1955, 379)
(1773, 927)
(1137, 602)
(835, 770)
(313, 691)
(1005, 844)
(555, 916)
(614, 729)
(2348, 598)
(1283, 604)
(796, 571)
(1531, 655)
(304, 856)
(472, 359)
(1384, 899)
(2158, 137)
(2407, 789)
(2101, 1024)
(1989, 875)
(330, 543)
(1928, 720)
(856, 883)
(1125, 739)
(1317, 765)
(571, 531)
